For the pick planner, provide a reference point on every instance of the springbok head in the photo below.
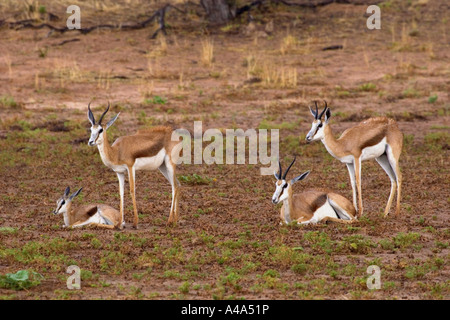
(318, 125)
(97, 128)
(63, 203)
(282, 186)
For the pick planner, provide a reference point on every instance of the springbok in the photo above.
(309, 206)
(147, 149)
(100, 215)
(375, 138)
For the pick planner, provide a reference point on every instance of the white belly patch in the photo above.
(96, 218)
(150, 163)
(375, 151)
(324, 211)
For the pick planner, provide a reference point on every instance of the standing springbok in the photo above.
(310, 206)
(375, 138)
(147, 149)
(100, 215)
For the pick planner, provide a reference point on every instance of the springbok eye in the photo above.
(285, 186)
(320, 125)
(100, 131)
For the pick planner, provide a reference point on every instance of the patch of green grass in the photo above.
(115, 262)
(185, 287)
(195, 179)
(405, 240)
(419, 270)
(96, 243)
(143, 119)
(231, 279)
(436, 140)
(441, 245)
(433, 98)
(233, 244)
(271, 279)
(319, 241)
(64, 294)
(155, 100)
(386, 244)
(50, 253)
(408, 139)
(42, 52)
(8, 230)
(438, 290)
(8, 102)
(411, 93)
(342, 185)
(285, 256)
(291, 145)
(440, 127)
(367, 87)
(172, 274)
(135, 240)
(343, 94)
(300, 268)
(357, 243)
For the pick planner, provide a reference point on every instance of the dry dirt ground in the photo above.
(228, 242)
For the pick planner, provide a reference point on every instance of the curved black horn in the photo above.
(101, 118)
(280, 172)
(287, 170)
(325, 109)
(90, 114)
(317, 110)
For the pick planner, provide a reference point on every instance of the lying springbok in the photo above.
(147, 149)
(375, 138)
(309, 206)
(99, 215)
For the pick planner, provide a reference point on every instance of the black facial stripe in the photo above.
(317, 129)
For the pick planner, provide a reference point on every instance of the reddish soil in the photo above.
(228, 242)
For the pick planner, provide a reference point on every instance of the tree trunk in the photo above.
(218, 11)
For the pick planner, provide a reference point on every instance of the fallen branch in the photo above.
(159, 15)
(66, 41)
(335, 47)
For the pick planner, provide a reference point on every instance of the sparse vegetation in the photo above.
(259, 75)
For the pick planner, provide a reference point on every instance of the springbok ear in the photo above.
(110, 122)
(66, 192)
(300, 177)
(327, 115)
(75, 193)
(91, 115)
